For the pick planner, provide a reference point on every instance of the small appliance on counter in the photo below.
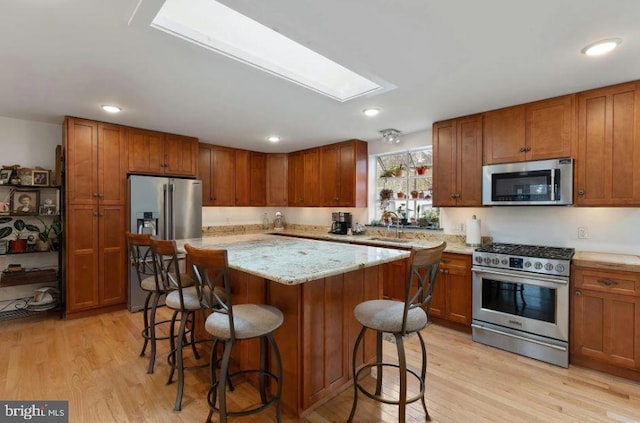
(340, 223)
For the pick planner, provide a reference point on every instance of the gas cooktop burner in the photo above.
(534, 251)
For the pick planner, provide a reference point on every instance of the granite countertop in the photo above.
(292, 261)
(405, 243)
(608, 261)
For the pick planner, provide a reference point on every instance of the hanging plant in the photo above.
(386, 194)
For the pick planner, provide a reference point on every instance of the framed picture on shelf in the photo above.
(40, 178)
(25, 202)
(5, 176)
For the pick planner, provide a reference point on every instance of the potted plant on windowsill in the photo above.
(386, 194)
(400, 171)
(421, 169)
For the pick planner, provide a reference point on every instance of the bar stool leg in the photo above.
(276, 353)
(378, 361)
(147, 328)
(152, 329)
(179, 361)
(355, 373)
(213, 364)
(263, 368)
(402, 368)
(192, 320)
(423, 374)
(224, 375)
(172, 345)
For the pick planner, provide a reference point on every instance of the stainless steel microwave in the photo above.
(541, 182)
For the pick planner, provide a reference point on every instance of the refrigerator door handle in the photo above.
(172, 221)
(165, 211)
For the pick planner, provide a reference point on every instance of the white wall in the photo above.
(28, 143)
(613, 230)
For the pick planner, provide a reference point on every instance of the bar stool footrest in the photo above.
(382, 399)
(213, 390)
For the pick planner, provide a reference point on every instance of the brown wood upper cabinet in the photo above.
(533, 131)
(304, 178)
(344, 174)
(608, 159)
(217, 170)
(277, 180)
(251, 173)
(95, 214)
(457, 162)
(158, 153)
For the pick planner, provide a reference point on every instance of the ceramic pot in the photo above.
(18, 245)
(42, 245)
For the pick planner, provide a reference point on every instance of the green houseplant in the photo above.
(45, 238)
(19, 244)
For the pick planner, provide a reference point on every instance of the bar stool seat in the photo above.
(249, 320)
(386, 316)
(399, 318)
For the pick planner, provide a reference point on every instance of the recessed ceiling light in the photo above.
(601, 47)
(111, 109)
(273, 138)
(215, 26)
(371, 112)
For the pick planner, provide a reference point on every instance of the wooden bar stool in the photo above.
(400, 319)
(184, 300)
(229, 324)
(142, 263)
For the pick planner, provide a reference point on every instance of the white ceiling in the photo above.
(446, 58)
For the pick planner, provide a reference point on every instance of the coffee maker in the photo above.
(340, 223)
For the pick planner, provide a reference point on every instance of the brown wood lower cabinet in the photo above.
(605, 321)
(96, 258)
(318, 334)
(452, 293)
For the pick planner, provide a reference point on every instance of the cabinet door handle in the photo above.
(445, 260)
(580, 192)
(336, 199)
(607, 282)
(95, 194)
(527, 149)
(100, 195)
(95, 213)
(453, 196)
(578, 294)
(522, 149)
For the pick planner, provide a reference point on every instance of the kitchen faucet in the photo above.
(397, 223)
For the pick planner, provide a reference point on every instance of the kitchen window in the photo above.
(403, 184)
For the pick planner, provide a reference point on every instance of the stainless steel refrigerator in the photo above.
(169, 208)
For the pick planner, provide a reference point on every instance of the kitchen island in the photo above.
(316, 284)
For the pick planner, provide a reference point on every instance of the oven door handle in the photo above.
(520, 338)
(520, 275)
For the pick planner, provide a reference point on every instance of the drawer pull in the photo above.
(445, 260)
(607, 282)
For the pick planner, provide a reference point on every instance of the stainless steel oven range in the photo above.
(521, 300)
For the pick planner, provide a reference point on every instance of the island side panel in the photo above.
(325, 340)
(288, 298)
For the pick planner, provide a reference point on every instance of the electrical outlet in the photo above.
(582, 232)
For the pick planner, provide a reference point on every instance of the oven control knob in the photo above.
(495, 260)
(538, 265)
(548, 266)
(478, 259)
(560, 268)
(487, 260)
(505, 262)
(527, 264)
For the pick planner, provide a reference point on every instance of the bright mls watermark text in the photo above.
(34, 411)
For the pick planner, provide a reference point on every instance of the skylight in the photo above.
(217, 27)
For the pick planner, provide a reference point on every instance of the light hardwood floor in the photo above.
(94, 364)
